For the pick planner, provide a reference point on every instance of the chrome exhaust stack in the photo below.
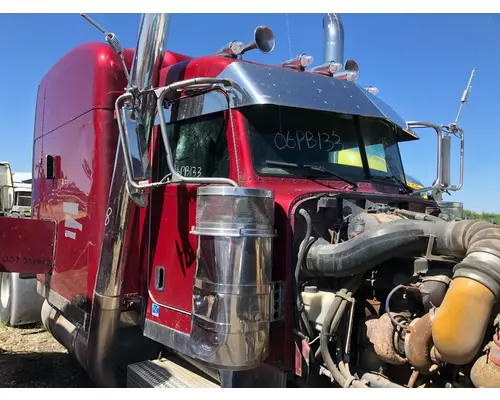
(95, 347)
(333, 31)
(333, 45)
(333, 50)
(106, 305)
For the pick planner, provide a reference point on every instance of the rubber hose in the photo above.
(418, 215)
(300, 259)
(366, 250)
(324, 340)
(330, 325)
(333, 329)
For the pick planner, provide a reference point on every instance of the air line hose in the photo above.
(330, 326)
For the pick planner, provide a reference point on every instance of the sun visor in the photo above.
(254, 84)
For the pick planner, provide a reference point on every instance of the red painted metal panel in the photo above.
(173, 246)
(76, 124)
(40, 101)
(79, 130)
(26, 245)
(170, 318)
(76, 199)
(208, 66)
(90, 76)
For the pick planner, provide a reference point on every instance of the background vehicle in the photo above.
(6, 188)
(206, 233)
(22, 194)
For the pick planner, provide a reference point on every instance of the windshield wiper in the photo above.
(392, 178)
(313, 168)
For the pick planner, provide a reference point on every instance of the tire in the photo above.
(20, 304)
(5, 300)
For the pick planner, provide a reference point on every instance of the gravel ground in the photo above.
(31, 357)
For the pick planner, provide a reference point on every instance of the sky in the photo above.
(421, 64)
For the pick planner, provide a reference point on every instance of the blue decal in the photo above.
(155, 310)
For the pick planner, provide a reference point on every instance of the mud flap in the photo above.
(26, 245)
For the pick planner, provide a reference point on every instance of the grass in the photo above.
(482, 216)
(31, 357)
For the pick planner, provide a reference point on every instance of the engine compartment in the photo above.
(388, 297)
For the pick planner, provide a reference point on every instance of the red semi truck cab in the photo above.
(272, 139)
(74, 151)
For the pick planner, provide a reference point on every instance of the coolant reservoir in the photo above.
(316, 304)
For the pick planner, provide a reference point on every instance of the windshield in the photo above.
(333, 141)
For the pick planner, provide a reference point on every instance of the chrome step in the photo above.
(166, 373)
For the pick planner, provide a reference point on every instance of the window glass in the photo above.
(324, 139)
(199, 147)
(24, 199)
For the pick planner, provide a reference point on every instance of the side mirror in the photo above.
(443, 178)
(445, 161)
(135, 153)
(137, 149)
(6, 188)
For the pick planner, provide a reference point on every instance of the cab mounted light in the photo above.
(300, 62)
(350, 72)
(372, 90)
(232, 49)
(329, 68)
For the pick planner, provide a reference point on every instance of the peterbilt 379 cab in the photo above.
(200, 221)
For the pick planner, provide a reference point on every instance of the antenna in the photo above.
(289, 36)
(112, 41)
(465, 96)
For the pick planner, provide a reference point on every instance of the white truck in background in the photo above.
(20, 304)
(22, 194)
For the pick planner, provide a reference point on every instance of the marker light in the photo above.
(372, 90)
(232, 49)
(352, 76)
(236, 47)
(329, 68)
(350, 73)
(306, 60)
(334, 67)
(300, 62)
